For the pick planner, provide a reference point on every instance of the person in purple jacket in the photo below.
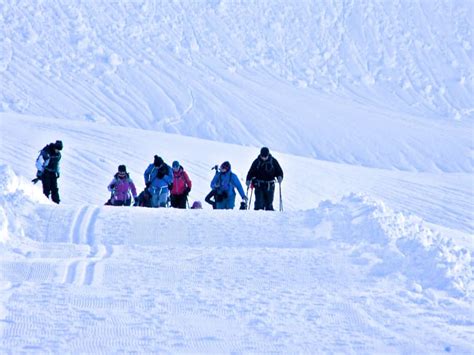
(224, 184)
(120, 187)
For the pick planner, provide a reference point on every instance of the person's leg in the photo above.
(230, 202)
(268, 196)
(163, 198)
(182, 201)
(46, 181)
(155, 198)
(259, 199)
(54, 189)
(175, 201)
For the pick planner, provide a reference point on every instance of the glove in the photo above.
(57, 175)
(170, 186)
(147, 184)
(38, 174)
(247, 183)
(187, 190)
(279, 179)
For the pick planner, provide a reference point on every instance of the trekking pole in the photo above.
(281, 200)
(250, 199)
(247, 194)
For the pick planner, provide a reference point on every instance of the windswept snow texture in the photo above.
(350, 277)
(368, 107)
(281, 73)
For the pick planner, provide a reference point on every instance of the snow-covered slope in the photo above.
(367, 105)
(277, 73)
(350, 276)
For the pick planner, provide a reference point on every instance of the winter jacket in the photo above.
(181, 182)
(158, 178)
(48, 160)
(264, 170)
(121, 188)
(226, 183)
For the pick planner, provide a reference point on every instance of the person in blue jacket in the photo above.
(158, 182)
(224, 184)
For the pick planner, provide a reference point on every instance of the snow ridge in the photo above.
(399, 243)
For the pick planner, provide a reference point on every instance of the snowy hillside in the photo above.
(368, 107)
(351, 276)
(273, 73)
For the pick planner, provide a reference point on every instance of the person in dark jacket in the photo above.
(48, 172)
(262, 174)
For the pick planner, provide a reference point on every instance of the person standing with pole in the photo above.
(262, 174)
(47, 165)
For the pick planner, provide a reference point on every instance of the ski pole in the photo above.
(250, 200)
(281, 200)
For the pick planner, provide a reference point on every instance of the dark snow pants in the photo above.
(264, 196)
(50, 185)
(179, 201)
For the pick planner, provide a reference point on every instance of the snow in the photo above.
(367, 106)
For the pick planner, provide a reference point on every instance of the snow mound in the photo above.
(17, 200)
(400, 243)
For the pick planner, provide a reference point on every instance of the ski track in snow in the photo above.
(82, 270)
(218, 284)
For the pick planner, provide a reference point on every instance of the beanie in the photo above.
(122, 169)
(225, 165)
(264, 152)
(58, 145)
(176, 164)
(157, 161)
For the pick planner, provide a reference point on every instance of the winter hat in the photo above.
(58, 145)
(122, 169)
(225, 165)
(158, 161)
(176, 164)
(264, 152)
(196, 205)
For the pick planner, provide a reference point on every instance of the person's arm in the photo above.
(134, 189)
(252, 171)
(214, 181)
(147, 174)
(188, 181)
(278, 170)
(238, 185)
(111, 186)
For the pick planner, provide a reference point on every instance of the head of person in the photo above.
(225, 167)
(157, 161)
(176, 165)
(58, 145)
(122, 171)
(264, 153)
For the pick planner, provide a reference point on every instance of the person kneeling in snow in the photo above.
(121, 186)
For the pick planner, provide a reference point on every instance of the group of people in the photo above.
(170, 186)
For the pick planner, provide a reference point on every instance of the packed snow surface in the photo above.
(368, 107)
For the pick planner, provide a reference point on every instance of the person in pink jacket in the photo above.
(181, 186)
(120, 187)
